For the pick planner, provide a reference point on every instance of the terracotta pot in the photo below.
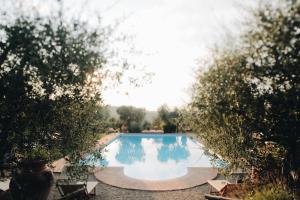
(31, 180)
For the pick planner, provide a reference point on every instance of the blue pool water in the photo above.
(154, 156)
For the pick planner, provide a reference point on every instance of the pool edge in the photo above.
(114, 176)
(196, 176)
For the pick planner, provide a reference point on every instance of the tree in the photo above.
(246, 106)
(131, 117)
(156, 124)
(168, 119)
(114, 123)
(182, 120)
(49, 88)
(146, 125)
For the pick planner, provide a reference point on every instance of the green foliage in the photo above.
(131, 117)
(156, 124)
(245, 107)
(146, 125)
(38, 153)
(170, 128)
(77, 172)
(49, 88)
(183, 119)
(167, 119)
(271, 192)
(135, 127)
(114, 123)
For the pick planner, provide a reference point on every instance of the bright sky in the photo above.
(171, 34)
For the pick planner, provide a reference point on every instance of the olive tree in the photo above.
(50, 88)
(168, 119)
(245, 106)
(131, 117)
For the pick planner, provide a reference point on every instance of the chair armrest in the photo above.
(91, 185)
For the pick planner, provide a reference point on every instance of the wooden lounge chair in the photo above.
(231, 190)
(76, 190)
(224, 190)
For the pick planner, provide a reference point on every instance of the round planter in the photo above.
(31, 180)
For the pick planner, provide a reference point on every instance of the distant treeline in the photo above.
(132, 119)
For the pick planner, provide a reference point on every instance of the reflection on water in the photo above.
(130, 150)
(154, 157)
(173, 148)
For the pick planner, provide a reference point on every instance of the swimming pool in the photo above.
(153, 156)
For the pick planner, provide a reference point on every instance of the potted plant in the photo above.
(32, 178)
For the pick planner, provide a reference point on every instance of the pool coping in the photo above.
(107, 139)
(115, 176)
(196, 176)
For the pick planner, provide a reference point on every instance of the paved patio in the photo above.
(107, 192)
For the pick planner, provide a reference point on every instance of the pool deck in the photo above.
(196, 176)
(105, 191)
(114, 176)
(106, 139)
(108, 192)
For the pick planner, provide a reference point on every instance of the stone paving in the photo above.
(107, 192)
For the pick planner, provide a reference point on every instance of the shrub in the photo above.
(271, 192)
(170, 128)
